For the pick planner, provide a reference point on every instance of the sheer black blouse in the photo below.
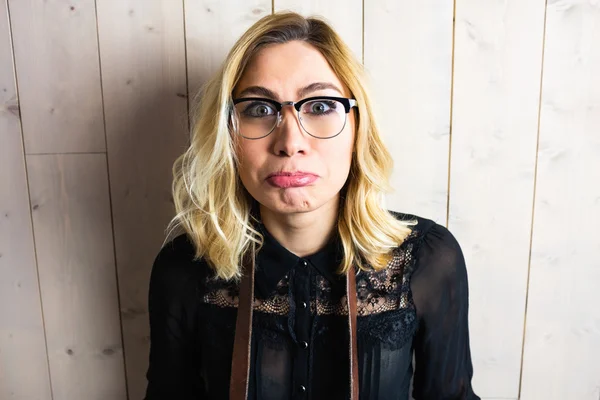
(418, 306)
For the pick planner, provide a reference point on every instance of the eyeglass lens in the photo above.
(321, 118)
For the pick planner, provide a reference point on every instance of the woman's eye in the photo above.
(259, 110)
(321, 107)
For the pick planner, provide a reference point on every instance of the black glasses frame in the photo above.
(346, 102)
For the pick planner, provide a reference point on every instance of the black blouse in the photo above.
(418, 306)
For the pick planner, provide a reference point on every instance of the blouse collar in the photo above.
(274, 262)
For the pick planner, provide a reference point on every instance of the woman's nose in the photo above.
(289, 136)
(288, 113)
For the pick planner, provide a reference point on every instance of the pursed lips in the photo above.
(288, 179)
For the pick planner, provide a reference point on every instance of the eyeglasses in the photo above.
(323, 117)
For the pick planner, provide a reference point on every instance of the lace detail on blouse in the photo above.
(376, 291)
(229, 297)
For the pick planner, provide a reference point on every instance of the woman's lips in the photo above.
(288, 181)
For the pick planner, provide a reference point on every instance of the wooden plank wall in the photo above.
(142, 54)
(497, 68)
(24, 372)
(562, 336)
(491, 110)
(411, 82)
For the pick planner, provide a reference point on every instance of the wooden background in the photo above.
(491, 109)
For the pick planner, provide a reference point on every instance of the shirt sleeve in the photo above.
(171, 374)
(443, 367)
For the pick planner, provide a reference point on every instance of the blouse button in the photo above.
(304, 305)
(304, 263)
(304, 345)
(302, 388)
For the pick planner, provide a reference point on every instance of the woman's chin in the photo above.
(289, 204)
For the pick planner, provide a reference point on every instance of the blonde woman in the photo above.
(291, 280)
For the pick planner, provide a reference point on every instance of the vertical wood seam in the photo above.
(187, 82)
(35, 255)
(451, 114)
(541, 88)
(110, 204)
(362, 48)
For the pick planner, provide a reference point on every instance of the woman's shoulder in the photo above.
(435, 246)
(420, 226)
(176, 266)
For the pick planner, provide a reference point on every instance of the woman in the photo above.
(280, 195)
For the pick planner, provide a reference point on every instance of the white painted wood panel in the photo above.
(73, 236)
(142, 76)
(345, 16)
(56, 56)
(24, 371)
(562, 341)
(212, 27)
(408, 54)
(142, 49)
(497, 69)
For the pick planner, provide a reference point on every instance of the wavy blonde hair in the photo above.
(213, 206)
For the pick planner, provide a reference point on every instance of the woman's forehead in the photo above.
(289, 69)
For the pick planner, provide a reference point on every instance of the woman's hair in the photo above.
(211, 202)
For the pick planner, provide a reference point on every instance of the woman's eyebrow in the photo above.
(258, 91)
(313, 87)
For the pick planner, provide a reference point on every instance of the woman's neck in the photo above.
(302, 233)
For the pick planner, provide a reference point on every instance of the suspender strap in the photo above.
(351, 291)
(240, 364)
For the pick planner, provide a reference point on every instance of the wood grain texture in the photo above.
(408, 54)
(212, 27)
(136, 66)
(345, 16)
(24, 370)
(56, 56)
(562, 341)
(497, 71)
(144, 82)
(72, 227)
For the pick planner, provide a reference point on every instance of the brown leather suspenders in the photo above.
(351, 291)
(240, 363)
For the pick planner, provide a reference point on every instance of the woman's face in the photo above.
(291, 72)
